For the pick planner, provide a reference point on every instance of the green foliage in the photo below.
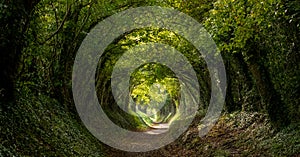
(38, 125)
(257, 34)
(244, 134)
(14, 17)
(153, 74)
(146, 77)
(153, 87)
(259, 41)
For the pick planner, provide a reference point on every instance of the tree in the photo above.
(14, 17)
(253, 30)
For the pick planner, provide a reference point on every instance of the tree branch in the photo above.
(60, 26)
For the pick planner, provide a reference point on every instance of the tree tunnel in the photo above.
(153, 97)
(154, 92)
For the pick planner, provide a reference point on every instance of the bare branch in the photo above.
(60, 26)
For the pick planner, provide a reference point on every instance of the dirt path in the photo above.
(176, 148)
(158, 129)
(234, 135)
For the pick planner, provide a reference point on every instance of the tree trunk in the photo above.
(273, 104)
(14, 23)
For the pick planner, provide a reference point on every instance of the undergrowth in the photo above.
(245, 134)
(37, 125)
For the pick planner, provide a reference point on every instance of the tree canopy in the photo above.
(258, 40)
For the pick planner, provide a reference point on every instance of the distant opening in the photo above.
(155, 90)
